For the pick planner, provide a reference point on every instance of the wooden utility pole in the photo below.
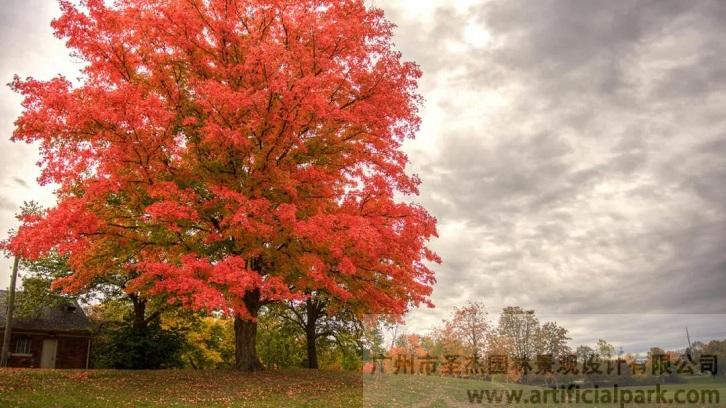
(4, 354)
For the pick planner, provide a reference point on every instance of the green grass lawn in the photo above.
(288, 388)
(422, 391)
(178, 388)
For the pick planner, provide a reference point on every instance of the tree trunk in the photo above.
(312, 349)
(245, 336)
(310, 335)
(139, 322)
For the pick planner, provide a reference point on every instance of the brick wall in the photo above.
(71, 353)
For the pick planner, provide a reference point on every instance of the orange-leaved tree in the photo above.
(230, 153)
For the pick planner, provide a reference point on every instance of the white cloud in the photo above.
(28, 49)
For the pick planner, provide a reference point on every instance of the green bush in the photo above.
(129, 348)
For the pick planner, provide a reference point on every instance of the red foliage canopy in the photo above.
(218, 147)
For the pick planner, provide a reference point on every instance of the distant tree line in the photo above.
(466, 344)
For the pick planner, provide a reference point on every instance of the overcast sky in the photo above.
(574, 153)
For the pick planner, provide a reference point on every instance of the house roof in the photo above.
(67, 318)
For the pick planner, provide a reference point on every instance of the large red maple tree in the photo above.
(229, 153)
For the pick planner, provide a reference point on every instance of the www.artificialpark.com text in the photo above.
(614, 396)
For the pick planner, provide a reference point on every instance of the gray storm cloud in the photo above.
(594, 183)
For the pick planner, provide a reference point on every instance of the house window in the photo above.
(22, 345)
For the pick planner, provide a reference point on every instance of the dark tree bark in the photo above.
(245, 334)
(139, 321)
(308, 318)
(311, 336)
(314, 310)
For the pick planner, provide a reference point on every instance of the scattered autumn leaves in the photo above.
(177, 388)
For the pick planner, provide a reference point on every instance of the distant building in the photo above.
(58, 337)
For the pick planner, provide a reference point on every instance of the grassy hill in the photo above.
(288, 388)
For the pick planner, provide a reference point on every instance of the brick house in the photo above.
(57, 337)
